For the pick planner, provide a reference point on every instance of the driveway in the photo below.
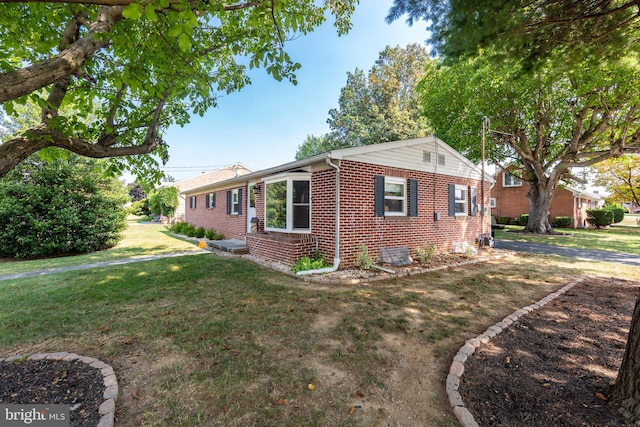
(582, 254)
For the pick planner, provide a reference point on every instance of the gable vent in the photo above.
(426, 157)
(441, 159)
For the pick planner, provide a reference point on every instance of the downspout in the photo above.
(336, 259)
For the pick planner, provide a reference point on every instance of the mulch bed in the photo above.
(555, 365)
(70, 383)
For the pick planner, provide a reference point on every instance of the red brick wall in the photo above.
(513, 201)
(232, 226)
(359, 225)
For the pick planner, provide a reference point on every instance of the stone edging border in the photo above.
(108, 407)
(457, 366)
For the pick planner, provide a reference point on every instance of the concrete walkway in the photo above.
(100, 264)
(581, 254)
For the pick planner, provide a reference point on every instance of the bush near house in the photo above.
(562, 221)
(618, 213)
(600, 217)
(524, 219)
(212, 234)
(504, 220)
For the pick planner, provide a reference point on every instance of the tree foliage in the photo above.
(128, 70)
(621, 178)
(59, 207)
(546, 122)
(378, 106)
(164, 201)
(530, 30)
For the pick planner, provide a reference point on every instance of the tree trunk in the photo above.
(540, 197)
(626, 390)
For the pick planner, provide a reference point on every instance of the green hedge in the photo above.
(618, 213)
(504, 220)
(524, 219)
(600, 217)
(562, 221)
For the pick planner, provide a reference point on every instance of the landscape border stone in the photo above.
(456, 370)
(108, 407)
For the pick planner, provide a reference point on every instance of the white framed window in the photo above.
(235, 204)
(492, 202)
(395, 196)
(210, 200)
(461, 200)
(193, 202)
(288, 203)
(510, 180)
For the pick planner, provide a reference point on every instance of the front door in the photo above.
(252, 224)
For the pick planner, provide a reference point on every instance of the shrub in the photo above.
(189, 230)
(503, 220)
(562, 221)
(364, 261)
(524, 219)
(599, 217)
(199, 232)
(178, 227)
(212, 234)
(618, 213)
(426, 253)
(140, 208)
(57, 207)
(307, 263)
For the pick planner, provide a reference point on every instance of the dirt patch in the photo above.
(555, 365)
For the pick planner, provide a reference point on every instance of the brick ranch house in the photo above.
(400, 194)
(509, 199)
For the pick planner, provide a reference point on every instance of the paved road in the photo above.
(99, 264)
(582, 254)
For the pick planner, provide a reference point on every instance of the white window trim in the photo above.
(492, 202)
(513, 177)
(403, 182)
(289, 178)
(192, 202)
(466, 200)
(235, 202)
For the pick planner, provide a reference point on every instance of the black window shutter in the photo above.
(452, 200)
(207, 201)
(240, 201)
(474, 203)
(228, 202)
(413, 197)
(195, 202)
(378, 195)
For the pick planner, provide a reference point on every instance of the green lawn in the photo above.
(207, 340)
(620, 238)
(140, 239)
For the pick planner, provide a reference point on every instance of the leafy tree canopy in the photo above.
(621, 178)
(164, 201)
(381, 105)
(531, 30)
(546, 122)
(127, 70)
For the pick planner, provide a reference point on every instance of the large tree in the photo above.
(529, 29)
(134, 68)
(378, 106)
(621, 178)
(546, 123)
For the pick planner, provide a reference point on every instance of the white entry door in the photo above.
(252, 225)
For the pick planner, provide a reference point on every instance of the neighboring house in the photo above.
(217, 175)
(509, 199)
(400, 194)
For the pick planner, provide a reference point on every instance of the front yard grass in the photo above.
(615, 239)
(205, 340)
(140, 239)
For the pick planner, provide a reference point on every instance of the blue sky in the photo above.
(263, 124)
